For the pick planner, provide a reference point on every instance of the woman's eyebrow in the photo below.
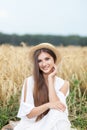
(47, 57)
(39, 60)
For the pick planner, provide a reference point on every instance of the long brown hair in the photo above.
(40, 87)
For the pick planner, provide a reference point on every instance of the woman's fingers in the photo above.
(53, 73)
(60, 106)
(57, 105)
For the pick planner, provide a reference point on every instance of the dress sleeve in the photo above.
(59, 84)
(67, 90)
(27, 102)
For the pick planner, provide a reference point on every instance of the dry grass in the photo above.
(15, 66)
(74, 64)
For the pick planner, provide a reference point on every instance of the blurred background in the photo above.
(24, 23)
(34, 21)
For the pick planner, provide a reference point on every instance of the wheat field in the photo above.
(15, 67)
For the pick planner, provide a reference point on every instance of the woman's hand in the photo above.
(53, 73)
(58, 105)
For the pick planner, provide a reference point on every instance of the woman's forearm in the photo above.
(52, 93)
(54, 98)
(38, 110)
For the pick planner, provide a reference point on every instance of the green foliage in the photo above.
(81, 123)
(77, 106)
(9, 111)
(35, 39)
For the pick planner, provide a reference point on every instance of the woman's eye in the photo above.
(39, 61)
(47, 58)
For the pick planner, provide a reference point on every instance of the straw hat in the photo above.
(45, 45)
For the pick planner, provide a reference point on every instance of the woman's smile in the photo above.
(45, 62)
(45, 69)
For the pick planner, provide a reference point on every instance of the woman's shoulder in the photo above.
(59, 79)
(29, 80)
(59, 82)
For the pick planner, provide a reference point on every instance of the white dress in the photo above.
(54, 120)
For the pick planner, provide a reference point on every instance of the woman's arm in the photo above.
(52, 93)
(65, 88)
(36, 111)
(54, 102)
(54, 98)
(50, 105)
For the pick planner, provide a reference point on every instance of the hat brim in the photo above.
(45, 45)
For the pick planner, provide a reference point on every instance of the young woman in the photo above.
(43, 101)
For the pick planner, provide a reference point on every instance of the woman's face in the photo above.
(45, 62)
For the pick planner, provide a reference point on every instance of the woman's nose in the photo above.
(43, 63)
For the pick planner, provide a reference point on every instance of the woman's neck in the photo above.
(45, 76)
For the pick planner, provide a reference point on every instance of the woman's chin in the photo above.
(47, 72)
